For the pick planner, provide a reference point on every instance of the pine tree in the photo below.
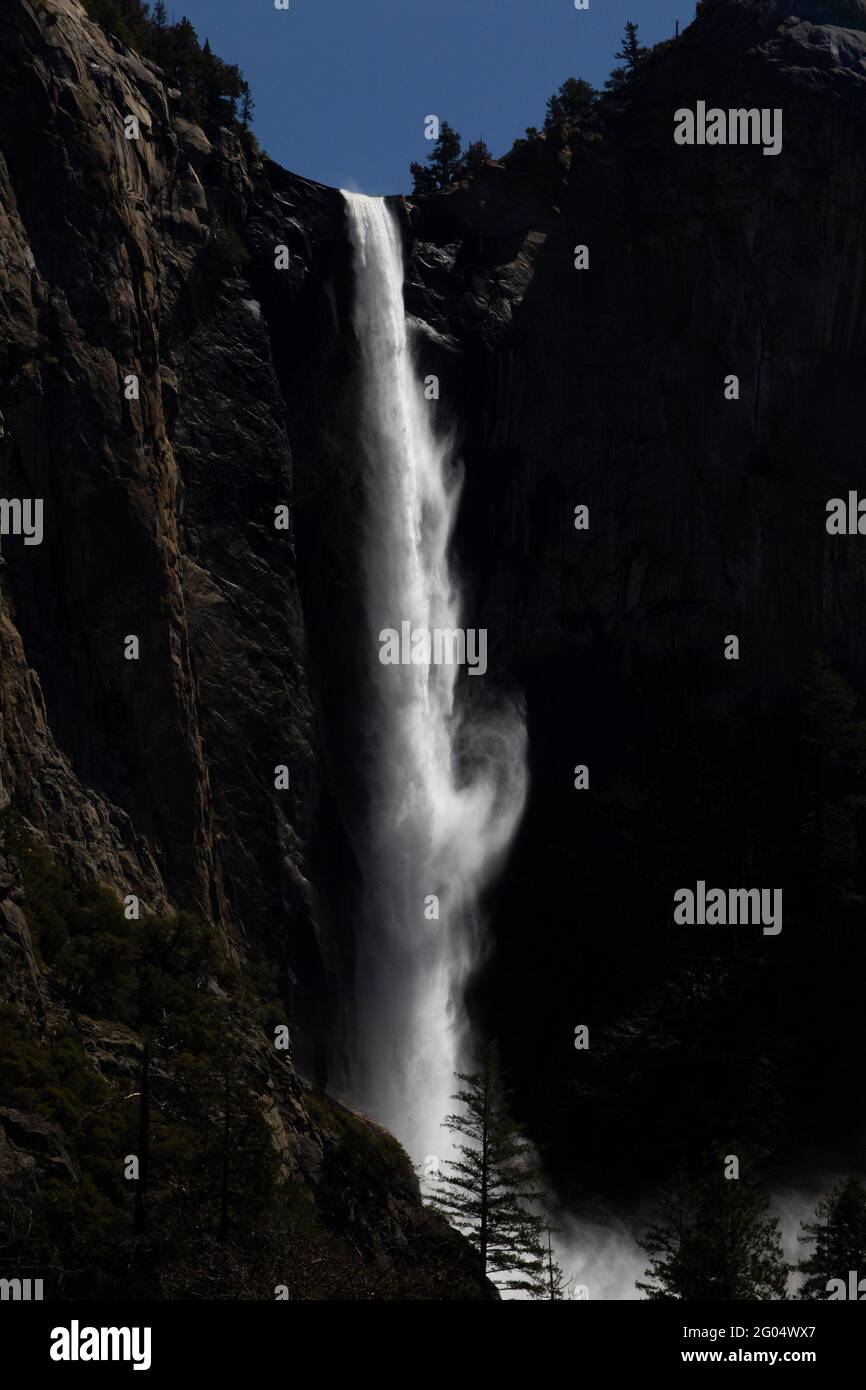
(182, 61)
(127, 19)
(633, 51)
(444, 162)
(422, 178)
(573, 105)
(715, 1240)
(488, 1190)
(445, 156)
(838, 1234)
(159, 47)
(632, 54)
(475, 157)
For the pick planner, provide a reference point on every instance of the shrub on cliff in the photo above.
(139, 973)
(79, 930)
(225, 255)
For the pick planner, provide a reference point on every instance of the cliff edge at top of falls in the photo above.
(140, 400)
(808, 56)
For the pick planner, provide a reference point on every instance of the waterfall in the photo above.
(446, 787)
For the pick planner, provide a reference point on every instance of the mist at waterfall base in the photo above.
(601, 1250)
(446, 789)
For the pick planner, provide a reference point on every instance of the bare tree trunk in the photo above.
(143, 1144)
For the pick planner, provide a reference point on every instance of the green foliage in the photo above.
(53, 1077)
(143, 974)
(448, 163)
(443, 162)
(79, 929)
(632, 52)
(572, 107)
(487, 1193)
(838, 1235)
(713, 1239)
(225, 255)
(48, 1076)
(372, 1155)
(87, 1223)
(475, 157)
(217, 1216)
(13, 836)
(571, 111)
(126, 19)
(523, 141)
(212, 91)
(445, 157)
(212, 1169)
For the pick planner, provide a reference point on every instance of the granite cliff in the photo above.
(119, 259)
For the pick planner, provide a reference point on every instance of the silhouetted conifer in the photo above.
(488, 1192)
(838, 1235)
(714, 1239)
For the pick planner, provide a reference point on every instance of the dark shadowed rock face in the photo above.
(707, 518)
(602, 387)
(159, 511)
(157, 776)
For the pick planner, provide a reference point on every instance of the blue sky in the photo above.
(342, 86)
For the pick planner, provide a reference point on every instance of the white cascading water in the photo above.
(446, 788)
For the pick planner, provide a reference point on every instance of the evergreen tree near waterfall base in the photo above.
(714, 1239)
(488, 1192)
(838, 1238)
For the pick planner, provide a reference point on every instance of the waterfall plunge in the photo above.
(446, 790)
